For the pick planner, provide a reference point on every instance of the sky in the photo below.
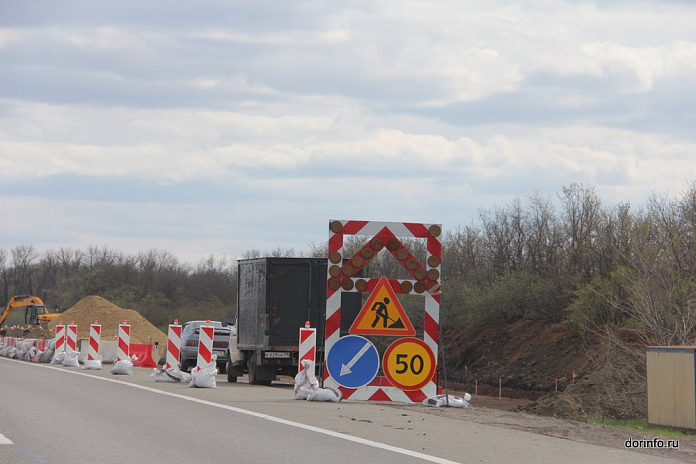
(220, 127)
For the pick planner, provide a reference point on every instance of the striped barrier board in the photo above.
(308, 347)
(71, 342)
(60, 338)
(425, 281)
(94, 342)
(173, 345)
(123, 346)
(205, 345)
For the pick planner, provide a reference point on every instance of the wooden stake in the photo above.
(556, 383)
(476, 388)
(500, 388)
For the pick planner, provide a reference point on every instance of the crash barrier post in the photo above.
(308, 346)
(60, 338)
(71, 343)
(205, 345)
(123, 348)
(173, 344)
(94, 341)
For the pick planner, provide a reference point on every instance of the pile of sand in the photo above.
(109, 315)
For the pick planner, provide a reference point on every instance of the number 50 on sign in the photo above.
(408, 363)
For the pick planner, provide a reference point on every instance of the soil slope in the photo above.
(569, 375)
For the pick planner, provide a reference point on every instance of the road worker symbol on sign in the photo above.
(382, 314)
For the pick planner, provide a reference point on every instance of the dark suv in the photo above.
(189, 344)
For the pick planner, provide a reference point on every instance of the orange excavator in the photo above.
(35, 312)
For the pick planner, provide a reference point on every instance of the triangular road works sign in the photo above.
(382, 314)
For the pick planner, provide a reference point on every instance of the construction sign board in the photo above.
(382, 314)
(409, 366)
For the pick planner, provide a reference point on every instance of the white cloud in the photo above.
(421, 110)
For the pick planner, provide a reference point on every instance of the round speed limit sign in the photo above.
(408, 363)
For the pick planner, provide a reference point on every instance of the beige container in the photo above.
(671, 381)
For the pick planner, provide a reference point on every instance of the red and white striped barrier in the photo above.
(205, 345)
(60, 338)
(94, 341)
(122, 349)
(308, 346)
(71, 344)
(173, 345)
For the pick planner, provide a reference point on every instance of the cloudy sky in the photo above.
(224, 126)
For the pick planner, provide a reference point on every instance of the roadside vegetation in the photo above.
(641, 426)
(569, 260)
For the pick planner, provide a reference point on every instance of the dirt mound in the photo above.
(530, 356)
(109, 315)
(527, 356)
(615, 387)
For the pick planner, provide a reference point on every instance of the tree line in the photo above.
(573, 259)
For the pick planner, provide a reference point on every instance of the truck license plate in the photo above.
(277, 354)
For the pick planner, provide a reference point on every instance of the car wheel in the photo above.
(183, 366)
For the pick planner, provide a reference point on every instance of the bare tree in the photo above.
(23, 259)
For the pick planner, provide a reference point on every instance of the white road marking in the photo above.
(5, 441)
(311, 428)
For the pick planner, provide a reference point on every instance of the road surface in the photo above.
(54, 414)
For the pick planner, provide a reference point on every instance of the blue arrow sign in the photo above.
(353, 361)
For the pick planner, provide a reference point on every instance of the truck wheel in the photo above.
(253, 374)
(183, 367)
(230, 375)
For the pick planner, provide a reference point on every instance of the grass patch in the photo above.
(641, 425)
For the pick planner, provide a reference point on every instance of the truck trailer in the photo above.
(276, 296)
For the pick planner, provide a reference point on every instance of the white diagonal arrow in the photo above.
(345, 368)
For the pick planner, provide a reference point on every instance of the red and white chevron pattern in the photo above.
(60, 338)
(205, 345)
(123, 347)
(308, 347)
(173, 345)
(71, 345)
(425, 282)
(94, 342)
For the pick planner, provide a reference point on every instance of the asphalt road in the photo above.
(54, 414)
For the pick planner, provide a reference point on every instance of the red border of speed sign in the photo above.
(386, 366)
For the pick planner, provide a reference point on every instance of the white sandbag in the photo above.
(11, 352)
(325, 394)
(305, 382)
(205, 376)
(122, 367)
(26, 344)
(440, 401)
(173, 374)
(51, 344)
(46, 356)
(92, 364)
(58, 358)
(33, 354)
(70, 359)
